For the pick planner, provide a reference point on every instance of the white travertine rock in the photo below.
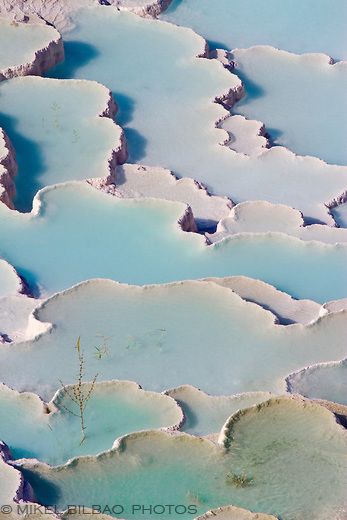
(11, 480)
(286, 309)
(57, 12)
(234, 513)
(281, 407)
(186, 101)
(72, 514)
(258, 217)
(324, 381)
(339, 410)
(17, 322)
(336, 305)
(151, 328)
(205, 414)
(245, 135)
(222, 513)
(142, 7)
(15, 305)
(133, 181)
(262, 217)
(28, 48)
(8, 170)
(10, 282)
(15, 310)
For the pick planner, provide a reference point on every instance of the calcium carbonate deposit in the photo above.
(173, 259)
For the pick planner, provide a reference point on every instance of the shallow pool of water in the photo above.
(166, 94)
(166, 336)
(83, 233)
(295, 27)
(154, 468)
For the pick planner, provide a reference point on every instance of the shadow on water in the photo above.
(213, 45)
(135, 141)
(274, 135)
(253, 90)
(29, 279)
(126, 107)
(136, 144)
(190, 418)
(174, 4)
(45, 492)
(29, 157)
(77, 55)
(30, 164)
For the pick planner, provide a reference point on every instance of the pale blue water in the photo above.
(196, 333)
(56, 131)
(139, 242)
(165, 96)
(292, 25)
(157, 469)
(287, 93)
(113, 410)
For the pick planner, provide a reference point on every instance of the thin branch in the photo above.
(77, 395)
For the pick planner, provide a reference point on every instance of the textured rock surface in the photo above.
(245, 136)
(234, 513)
(12, 483)
(263, 217)
(205, 414)
(326, 381)
(10, 282)
(8, 170)
(28, 49)
(287, 309)
(336, 305)
(134, 181)
(179, 323)
(58, 12)
(15, 310)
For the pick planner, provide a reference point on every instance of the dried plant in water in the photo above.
(240, 480)
(80, 392)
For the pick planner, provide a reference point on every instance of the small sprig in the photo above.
(102, 350)
(77, 393)
(55, 107)
(239, 480)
